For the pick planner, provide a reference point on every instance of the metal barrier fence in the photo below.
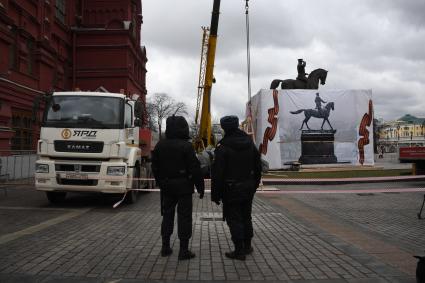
(17, 165)
(387, 156)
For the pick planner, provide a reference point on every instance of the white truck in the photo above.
(89, 142)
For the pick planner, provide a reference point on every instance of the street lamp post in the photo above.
(398, 137)
(398, 132)
(423, 132)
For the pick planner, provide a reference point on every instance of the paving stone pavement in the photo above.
(13, 220)
(391, 216)
(106, 244)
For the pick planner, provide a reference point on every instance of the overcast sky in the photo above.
(364, 44)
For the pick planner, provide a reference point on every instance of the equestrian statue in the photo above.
(302, 81)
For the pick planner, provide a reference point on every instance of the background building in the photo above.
(406, 131)
(63, 45)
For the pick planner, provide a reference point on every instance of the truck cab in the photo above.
(89, 142)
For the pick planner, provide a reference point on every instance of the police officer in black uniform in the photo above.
(177, 171)
(236, 174)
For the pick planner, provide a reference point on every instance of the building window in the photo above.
(60, 10)
(13, 50)
(30, 48)
(22, 125)
(134, 21)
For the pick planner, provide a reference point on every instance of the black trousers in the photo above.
(239, 219)
(184, 216)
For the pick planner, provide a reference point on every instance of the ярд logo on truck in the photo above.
(66, 134)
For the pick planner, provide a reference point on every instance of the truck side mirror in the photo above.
(138, 109)
(137, 122)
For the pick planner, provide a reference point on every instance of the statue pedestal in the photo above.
(317, 147)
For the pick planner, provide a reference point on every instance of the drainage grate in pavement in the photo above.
(366, 194)
(211, 218)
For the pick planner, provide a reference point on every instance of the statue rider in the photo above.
(319, 102)
(301, 70)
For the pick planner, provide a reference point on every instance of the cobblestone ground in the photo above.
(392, 216)
(99, 243)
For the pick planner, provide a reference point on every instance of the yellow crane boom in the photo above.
(204, 137)
(202, 68)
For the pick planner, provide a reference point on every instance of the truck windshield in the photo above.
(99, 112)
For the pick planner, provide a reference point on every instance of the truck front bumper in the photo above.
(81, 176)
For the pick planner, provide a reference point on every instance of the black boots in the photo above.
(242, 248)
(247, 247)
(184, 252)
(238, 253)
(166, 249)
(184, 249)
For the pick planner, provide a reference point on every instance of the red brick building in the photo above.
(50, 45)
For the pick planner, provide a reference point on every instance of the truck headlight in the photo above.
(41, 168)
(116, 170)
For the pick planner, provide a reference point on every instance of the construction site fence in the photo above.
(17, 166)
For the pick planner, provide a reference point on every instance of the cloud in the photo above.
(364, 44)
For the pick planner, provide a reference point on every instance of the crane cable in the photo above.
(249, 124)
(248, 52)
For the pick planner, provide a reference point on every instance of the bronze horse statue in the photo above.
(312, 81)
(323, 113)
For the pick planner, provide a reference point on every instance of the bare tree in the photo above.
(161, 106)
(193, 129)
(152, 123)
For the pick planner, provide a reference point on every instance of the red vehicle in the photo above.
(415, 155)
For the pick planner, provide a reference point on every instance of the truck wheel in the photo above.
(56, 197)
(131, 196)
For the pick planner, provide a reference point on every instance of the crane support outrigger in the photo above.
(204, 138)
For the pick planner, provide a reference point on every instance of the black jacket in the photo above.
(236, 161)
(174, 163)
